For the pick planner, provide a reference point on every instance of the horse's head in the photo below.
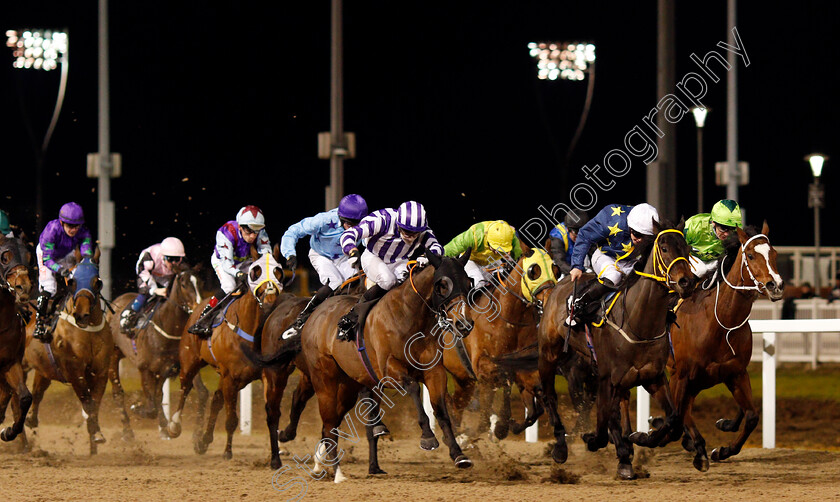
(670, 256)
(265, 278)
(759, 259)
(86, 286)
(450, 285)
(185, 289)
(14, 275)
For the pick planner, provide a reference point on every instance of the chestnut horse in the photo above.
(154, 348)
(80, 352)
(241, 321)
(630, 347)
(713, 340)
(14, 291)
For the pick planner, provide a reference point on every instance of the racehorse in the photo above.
(81, 350)
(630, 347)
(154, 348)
(713, 340)
(399, 342)
(14, 291)
(505, 319)
(242, 320)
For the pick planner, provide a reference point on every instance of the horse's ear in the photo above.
(276, 252)
(434, 259)
(77, 253)
(765, 229)
(681, 225)
(96, 254)
(464, 258)
(656, 226)
(742, 236)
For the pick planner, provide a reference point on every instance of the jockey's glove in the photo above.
(160, 291)
(291, 262)
(354, 255)
(64, 272)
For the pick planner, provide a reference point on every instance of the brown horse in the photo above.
(154, 349)
(505, 318)
(713, 340)
(14, 291)
(80, 352)
(401, 340)
(242, 321)
(630, 347)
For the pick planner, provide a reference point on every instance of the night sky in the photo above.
(215, 106)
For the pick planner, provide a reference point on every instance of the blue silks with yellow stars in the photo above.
(608, 231)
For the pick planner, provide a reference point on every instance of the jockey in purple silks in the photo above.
(233, 247)
(392, 237)
(156, 267)
(325, 253)
(59, 238)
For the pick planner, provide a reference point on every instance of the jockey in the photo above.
(391, 237)
(563, 238)
(233, 246)
(491, 243)
(705, 233)
(155, 270)
(614, 231)
(5, 226)
(58, 239)
(325, 253)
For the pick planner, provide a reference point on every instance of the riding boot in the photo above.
(347, 324)
(41, 314)
(203, 327)
(128, 317)
(586, 303)
(322, 294)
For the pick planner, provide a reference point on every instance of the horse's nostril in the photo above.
(771, 285)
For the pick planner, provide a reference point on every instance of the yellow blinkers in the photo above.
(537, 270)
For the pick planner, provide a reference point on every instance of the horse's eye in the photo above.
(750, 256)
(256, 272)
(664, 249)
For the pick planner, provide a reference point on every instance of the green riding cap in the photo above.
(5, 226)
(727, 213)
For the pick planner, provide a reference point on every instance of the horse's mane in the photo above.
(731, 246)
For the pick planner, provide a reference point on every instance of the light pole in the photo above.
(41, 50)
(816, 199)
(700, 120)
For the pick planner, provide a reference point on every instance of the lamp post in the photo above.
(816, 200)
(700, 120)
(41, 50)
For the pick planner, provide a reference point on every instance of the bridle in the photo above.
(444, 322)
(661, 273)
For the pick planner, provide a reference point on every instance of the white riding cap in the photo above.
(641, 218)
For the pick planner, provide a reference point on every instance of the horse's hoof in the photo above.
(376, 471)
(463, 462)
(163, 434)
(656, 422)
(128, 436)
(380, 430)
(726, 425)
(174, 429)
(560, 452)
(276, 463)
(639, 438)
(429, 444)
(7, 434)
(720, 454)
(590, 439)
(31, 422)
(625, 472)
(285, 438)
(98, 438)
(227, 455)
(501, 432)
(688, 443)
(200, 447)
(701, 463)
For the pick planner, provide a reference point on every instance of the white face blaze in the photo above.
(194, 282)
(764, 250)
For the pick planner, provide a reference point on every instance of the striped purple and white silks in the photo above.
(411, 216)
(381, 236)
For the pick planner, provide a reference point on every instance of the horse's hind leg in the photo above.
(428, 441)
(694, 439)
(118, 394)
(148, 381)
(461, 397)
(548, 393)
(302, 394)
(17, 383)
(40, 384)
(741, 390)
(230, 392)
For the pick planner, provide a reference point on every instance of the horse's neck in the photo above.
(413, 296)
(170, 313)
(733, 304)
(248, 310)
(510, 300)
(647, 302)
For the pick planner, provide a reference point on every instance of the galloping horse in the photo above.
(241, 321)
(713, 340)
(505, 319)
(154, 349)
(14, 291)
(630, 346)
(399, 343)
(80, 352)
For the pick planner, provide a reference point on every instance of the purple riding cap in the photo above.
(72, 214)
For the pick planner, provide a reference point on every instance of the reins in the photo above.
(661, 272)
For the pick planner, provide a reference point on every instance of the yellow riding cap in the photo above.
(500, 236)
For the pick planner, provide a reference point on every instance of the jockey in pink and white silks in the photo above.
(391, 237)
(233, 247)
(155, 269)
(325, 254)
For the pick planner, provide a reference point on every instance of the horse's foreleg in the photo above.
(16, 381)
(527, 381)
(97, 383)
(40, 384)
(372, 419)
(692, 439)
(163, 422)
(428, 441)
(741, 390)
(599, 439)
(435, 380)
(461, 397)
(202, 441)
(148, 381)
(189, 371)
(548, 393)
(119, 395)
(274, 383)
(671, 428)
(201, 406)
(302, 394)
(623, 447)
(230, 392)
(503, 425)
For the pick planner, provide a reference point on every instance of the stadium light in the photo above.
(563, 60)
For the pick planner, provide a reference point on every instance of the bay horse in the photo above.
(630, 348)
(154, 348)
(401, 341)
(15, 286)
(713, 341)
(505, 319)
(81, 350)
(242, 320)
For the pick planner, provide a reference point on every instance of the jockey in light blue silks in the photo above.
(58, 239)
(325, 254)
(391, 237)
(233, 247)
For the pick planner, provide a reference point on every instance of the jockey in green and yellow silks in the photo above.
(490, 241)
(705, 233)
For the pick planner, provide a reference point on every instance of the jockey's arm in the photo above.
(460, 243)
(431, 243)
(224, 250)
(592, 233)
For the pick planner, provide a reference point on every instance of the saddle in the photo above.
(147, 313)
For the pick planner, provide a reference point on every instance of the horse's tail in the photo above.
(284, 355)
(525, 358)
